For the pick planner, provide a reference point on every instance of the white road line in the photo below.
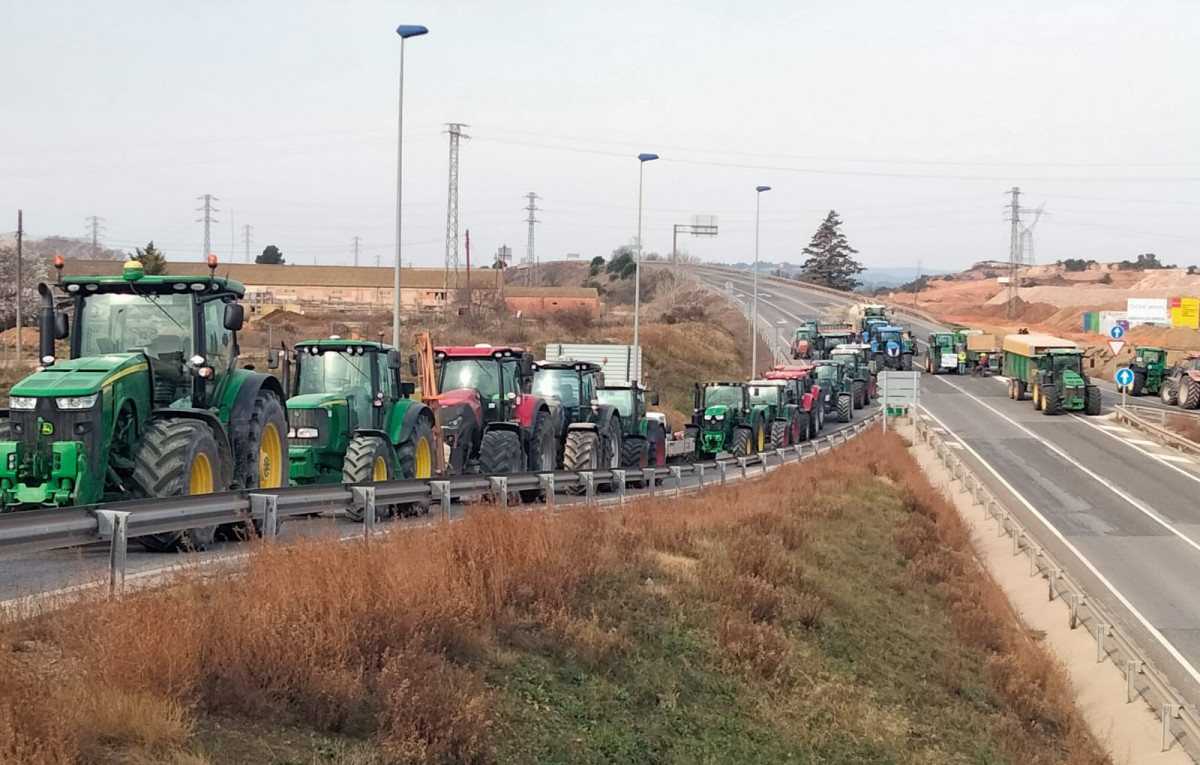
(1113, 428)
(1162, 640)
(1146, 510)
(1165, 459)
(1139, 441)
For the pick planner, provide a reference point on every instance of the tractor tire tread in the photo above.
(358, 466)
(162, 461)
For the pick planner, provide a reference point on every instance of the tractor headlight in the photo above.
(76, 402)
(719, 418)
(307, 432)
(291, 432)
(22, 402)
(454, 424)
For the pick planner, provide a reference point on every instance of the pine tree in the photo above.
(153, 260)
(831, 260)
(271, 255)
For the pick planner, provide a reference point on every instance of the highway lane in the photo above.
(1117, 511)
(33, 574)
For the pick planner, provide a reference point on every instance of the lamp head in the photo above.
(647, 157)
(761, 189)
(411, 30)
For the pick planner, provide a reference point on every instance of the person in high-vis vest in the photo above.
(980, 369)
(962, 362)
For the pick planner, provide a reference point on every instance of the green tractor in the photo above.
(352, 418)
(831, 336)
(644, 438)
(726, 420)
(856, 359)
(941, 353)
(872, 314)
(838, 388)
(1149, 370)
(591, 435)
(150, 402)
(787, 418)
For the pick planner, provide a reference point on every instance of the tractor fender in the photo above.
(604, 415)
(1194, 374)
(510, 426)
(238, 402)
(808, 401)
(220, 435)
(588, 426)
(402, 427)
(371, 432)
(528, 407)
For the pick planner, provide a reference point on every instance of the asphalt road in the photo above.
(1119, 512)
(34, 574)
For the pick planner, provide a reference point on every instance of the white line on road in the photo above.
(1165, 459)
(1162, 640)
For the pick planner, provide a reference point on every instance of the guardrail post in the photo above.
(364, 497)
(778, 455)
(619, 480)
(265, 509)
(1074, 601)
(742, 464)
(441, 491)
(1169, 711)
(648, 478)
(1102, 631)
(1017, 534)
(114, 524)
(799, 448)
(677, 474)
(1052, 579)
(547, 483)
(499, 488)
(589, 485)
(1003, 518)
(1034, 553)
(1132, 670)
(723, 467)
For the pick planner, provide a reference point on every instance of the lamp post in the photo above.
(405, 31)
(637, 263)
(754, 301)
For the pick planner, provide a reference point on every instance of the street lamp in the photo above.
(637, 267)
(405, 31)
(754, 305)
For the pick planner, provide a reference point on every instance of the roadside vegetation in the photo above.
(832, 612)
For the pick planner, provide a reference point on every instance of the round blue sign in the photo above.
(1124, 376)
(1117, 332)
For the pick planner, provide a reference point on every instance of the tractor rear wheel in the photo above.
(610, 449)
(543, 452)
(805, 422)
(1139, 384)
(1021, 385)
(581, 451)
(845, 407)
(779, 433)
(860, 394)
(1167, 394)
(416, 461)
(1191, 399)
(742, 441)
(260, 456)
(368, 460)
(906, 362)
(1091, 404)
(1050, 402)
(635, 455)
(178, 458)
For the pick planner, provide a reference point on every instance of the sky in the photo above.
(912, 120)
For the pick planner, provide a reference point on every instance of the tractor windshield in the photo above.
(802, 333)
(337, 373)
(890, 335)
(158, 325)
(723, 395)
(621, 399)
(482, 375)
(1067, 361)
(765, 394)
(849, 359)
(563, 383)
(1193, 364)
(1151, 357)
(828, 372)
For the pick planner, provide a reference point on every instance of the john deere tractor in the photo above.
(644, 438)
(1149, 370)
(591, 431)
(150, 402)
(787, 417)
(941, 353)
(831, 336)
(351, 416)
(855, 358)
(837, 388)
(727, 421)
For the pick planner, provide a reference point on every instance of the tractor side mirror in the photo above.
(1092, 362)
(393, 359)
(62, 326)
(273, 358)
(654, 398)
(235, 316)
(527, 364)
(413, 366)
(408, 388)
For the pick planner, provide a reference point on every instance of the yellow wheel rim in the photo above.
(760, 441)
(270, 458)
(423, 459)
(379, 472)
(200, 478)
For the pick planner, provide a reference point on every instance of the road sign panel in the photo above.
(1124, 376)
(1116, 345)
(1117, 332)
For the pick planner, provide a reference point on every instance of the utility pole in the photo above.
(95, 223)
(207, 220)
(455, 129)
(20, 280)
(917, 283)
(1014, 249)
(378, 260)
(246, 238)
(356, 252)
(530, 257)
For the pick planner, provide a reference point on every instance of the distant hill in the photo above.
(871, 278)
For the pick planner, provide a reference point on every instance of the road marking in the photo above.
(1113, 428)
(1162, 640)
(1165, 459)
(1139, 441)
(1174, 458)
(1133, 501)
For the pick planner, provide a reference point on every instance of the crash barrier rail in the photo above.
(1143, 416)
(1141, 679)
(118, 522)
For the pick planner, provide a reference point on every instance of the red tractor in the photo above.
(1181, 383)
(802, 381)
(490, 421)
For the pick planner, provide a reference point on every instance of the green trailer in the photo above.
(1052, 369)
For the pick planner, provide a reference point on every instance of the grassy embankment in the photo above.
(832, 612)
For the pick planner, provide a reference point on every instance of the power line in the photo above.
(207, 220)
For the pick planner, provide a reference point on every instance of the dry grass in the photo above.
(1188, 427)
(421, 642)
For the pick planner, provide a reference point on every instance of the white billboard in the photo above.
(1147, 311)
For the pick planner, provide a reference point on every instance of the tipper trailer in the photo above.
(1050, 368)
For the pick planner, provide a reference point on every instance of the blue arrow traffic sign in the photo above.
(1124, 377)
(1117, 332)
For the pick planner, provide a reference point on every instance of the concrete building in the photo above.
(533, 301)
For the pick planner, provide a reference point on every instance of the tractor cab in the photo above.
(1192, 363)
(802, 343)
(769, 393)
(573, 383)
(355, 378)
(1060, 360)
(1150, 357)
(487, 380)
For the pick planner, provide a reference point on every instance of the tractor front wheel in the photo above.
(500, 453)
(805, 423)
(845, 407)
(1092, 400)
(1191, 398)
(1050, 402)
(416, 461)
(779, 434)
(1139, 384)
(742, 442)
(906, 362)
(1168, 395)
(178, 458)
(635, 455)
(581, 452)
(260, 454)
(860, 394)
(368, 460)
(543, 452)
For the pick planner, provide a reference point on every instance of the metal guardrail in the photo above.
(1140, 417)
(117, 522)
(1080, 608)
